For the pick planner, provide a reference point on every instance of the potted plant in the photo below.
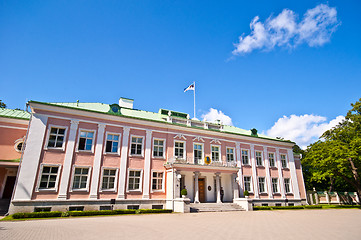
(184, 192)
(246, 194)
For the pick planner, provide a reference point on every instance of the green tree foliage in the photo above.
(336, 158)
(2, 105)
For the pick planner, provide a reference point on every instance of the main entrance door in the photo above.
(201, 189)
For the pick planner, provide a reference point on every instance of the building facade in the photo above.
(91, 156)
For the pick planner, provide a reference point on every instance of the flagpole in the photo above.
(194, 99)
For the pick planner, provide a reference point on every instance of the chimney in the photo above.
(126, 102)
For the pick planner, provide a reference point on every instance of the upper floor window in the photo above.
(271, 157)
(80, 180)
(179, 149)
(158, 148)
(283, 160)
(56, 137)
(157, 181)
(230, 154)
(261, 183)
(198, 153)
(275, 185)
(137, 146)
(247, 183)
(259, 160)
(215, 154)
(112, 144)
(49, 177)
(245, 158)
(287, 185)
(86, 140)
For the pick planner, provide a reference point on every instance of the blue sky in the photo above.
(98, 51)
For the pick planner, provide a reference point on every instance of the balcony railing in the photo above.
(196, 161)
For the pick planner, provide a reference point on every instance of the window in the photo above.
(271, 157)
(247, 184)
(287, 185)
(198, 153)
(80, 181)
(112, 144)
(179, 149)
(283, 161)
(76, 208)
(158, 148)
(56, 137)
(245, 157)
(259, 159)
(261, 183)
(19, 145)
(108, 182)
(215, 154)
(134, 180)
(86, 140)
(275, 185)
(136, 147)
(134, 207)
(230, 154)
(49, 177)
(157, 182)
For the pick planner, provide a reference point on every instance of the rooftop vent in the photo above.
(126, 102)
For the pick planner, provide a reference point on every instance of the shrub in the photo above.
(125, 211)
(256, 208)
(37, 215)
(342, 206)
(246, 193)
(286, 207)
(140, 211)
(312, 206)
(91, 213)
(184, 192)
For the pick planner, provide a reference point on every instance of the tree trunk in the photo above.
(356, 178)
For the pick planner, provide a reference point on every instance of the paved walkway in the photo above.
(295, 224)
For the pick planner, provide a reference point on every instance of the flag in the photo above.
(191, 87)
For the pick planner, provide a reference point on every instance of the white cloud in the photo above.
(303, 129)
(315, 29)
(213, 115)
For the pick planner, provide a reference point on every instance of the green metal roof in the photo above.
(150, 116)
(11, 113)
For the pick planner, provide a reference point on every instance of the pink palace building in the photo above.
(91, 156)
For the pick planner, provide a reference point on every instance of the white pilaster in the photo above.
(254, 173)
(280, 175)
(65, 177)
(235, 186)
(97, 162)
(123, 163)
(147, 157)
(268, 175)
(30, 161)
(218, 186)
(294, 180)
(239, 164)
(196, 191)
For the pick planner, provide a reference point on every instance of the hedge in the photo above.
(140, 211)
(37, 215)
(286, 207)
(256, 208)
(312, 206)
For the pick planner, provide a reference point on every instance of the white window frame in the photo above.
(17, 143)
(48, 136)
(219, 153)
(151, 183)
(140, 180)
(115, 180)
(234, 158)
(202, 158)
(278, 185)
(105, 143)
(264, 185)
(72, 179)
(184, 150)
(250, 184)
(274, 159)
(94, 136)
(286, 160)
(248, 157)
(262, 160)
(55, 189)
(164, 147)
(289, 185)
(130, 147)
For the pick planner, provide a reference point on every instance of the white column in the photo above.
(239, 164)
(148, 151)
(123, 163)
(196, 191)
(218, 186)
(30, 161)
(327, 197)
(337, 198)
(294, 180)
(97, 162)
(280, 175)
(254, 173)
(268, 175)
(65, 177)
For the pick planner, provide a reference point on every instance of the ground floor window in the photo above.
(134, 180)
(275, 185)
(49, 177)
(108, 182)
(157, 181)
(247, 184)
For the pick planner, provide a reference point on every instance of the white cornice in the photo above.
(14, 121)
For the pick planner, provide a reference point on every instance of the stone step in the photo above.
(215, 207)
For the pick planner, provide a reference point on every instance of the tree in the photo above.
(337, 157)
(2, 105)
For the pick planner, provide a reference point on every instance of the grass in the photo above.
(325, 206)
